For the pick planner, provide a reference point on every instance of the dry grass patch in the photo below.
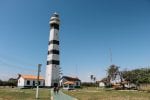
(23, 94)
(102, 94)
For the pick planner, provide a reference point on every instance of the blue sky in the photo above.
(88, 29)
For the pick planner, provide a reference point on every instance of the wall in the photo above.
(31, 83)
(20, 82)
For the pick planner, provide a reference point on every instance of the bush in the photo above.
(89, 84)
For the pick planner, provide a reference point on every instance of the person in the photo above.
(54, 90)
(57, 89)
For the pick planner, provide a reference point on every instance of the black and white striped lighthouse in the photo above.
(52, 68)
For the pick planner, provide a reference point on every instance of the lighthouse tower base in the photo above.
(52, 79)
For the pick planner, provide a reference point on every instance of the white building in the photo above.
(101, 84)
(29, 81)
(70, 82)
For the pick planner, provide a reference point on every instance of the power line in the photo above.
(14, 59)
(18, 67)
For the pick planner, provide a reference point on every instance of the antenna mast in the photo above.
(110, 55)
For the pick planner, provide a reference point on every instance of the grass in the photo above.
(23, 94)
(103, 94)
(90, 93)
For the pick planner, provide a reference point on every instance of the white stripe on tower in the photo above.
(52, 68)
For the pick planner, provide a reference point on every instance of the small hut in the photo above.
(73, 80)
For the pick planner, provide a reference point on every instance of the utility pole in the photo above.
(76, 71)
(37, 88)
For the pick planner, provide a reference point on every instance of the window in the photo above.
(77, 84)
(39, 83)
(28, 82)
(65, 86)
(33, 83)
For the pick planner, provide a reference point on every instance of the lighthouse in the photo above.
(52, 67)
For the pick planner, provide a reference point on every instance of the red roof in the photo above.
(69, 82)
(31, 77)
(70, 78)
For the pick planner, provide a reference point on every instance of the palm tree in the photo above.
(92, 76)
(94, 79)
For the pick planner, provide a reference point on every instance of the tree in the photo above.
(1, 82)
(112, 71)
(91, 76)
(12, 82)
(94, 79)
(137, 76)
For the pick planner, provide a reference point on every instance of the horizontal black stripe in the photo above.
(56, 62)
(55, 26)
(54, 42)
(53, 52)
